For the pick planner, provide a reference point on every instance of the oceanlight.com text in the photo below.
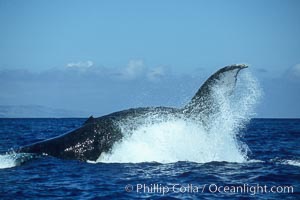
(251, 189)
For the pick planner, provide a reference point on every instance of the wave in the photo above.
(292, 162)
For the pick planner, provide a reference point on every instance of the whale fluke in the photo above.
(204, 103)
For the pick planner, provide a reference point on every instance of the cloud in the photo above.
(156, 73)
(134, 69)
(294, 72)
(80, 64)
(137, 69)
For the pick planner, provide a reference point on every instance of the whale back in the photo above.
(84, 143)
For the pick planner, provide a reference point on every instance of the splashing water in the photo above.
(13, 159)
(178, 138)
(7, 161)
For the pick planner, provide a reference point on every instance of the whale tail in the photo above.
(205, 103)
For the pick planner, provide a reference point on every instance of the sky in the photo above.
(103, 56)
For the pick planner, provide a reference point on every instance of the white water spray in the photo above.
(181, 139)
(13, 159)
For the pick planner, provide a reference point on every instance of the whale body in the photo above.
(98, 135)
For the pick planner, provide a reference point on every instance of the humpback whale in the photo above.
(98, 135)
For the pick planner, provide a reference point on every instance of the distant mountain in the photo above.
(36, 111)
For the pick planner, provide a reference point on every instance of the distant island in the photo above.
(37, 111)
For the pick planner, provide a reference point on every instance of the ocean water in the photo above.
(273, 159)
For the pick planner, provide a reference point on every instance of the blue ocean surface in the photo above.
(270, 171)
